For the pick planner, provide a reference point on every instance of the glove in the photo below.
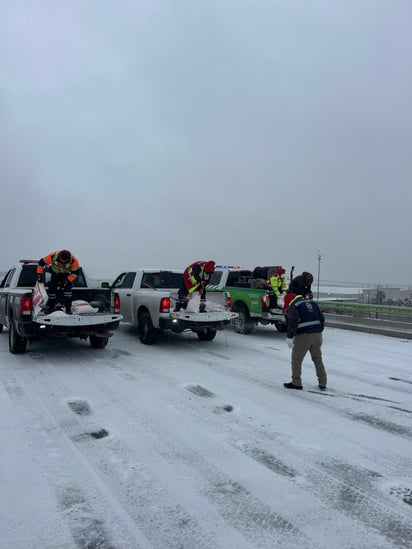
(46, 268)
(289, 342)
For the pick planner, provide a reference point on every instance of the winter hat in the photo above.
(210, 267)
(280, 271)
(288, 298)
(307, 277)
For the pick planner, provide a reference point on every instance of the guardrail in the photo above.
(379, 319)
(362, 310)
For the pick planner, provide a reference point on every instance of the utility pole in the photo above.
(319, 259)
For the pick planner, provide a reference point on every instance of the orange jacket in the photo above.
(59, 268)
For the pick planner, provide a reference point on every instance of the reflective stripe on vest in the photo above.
(310, 323)
(193, 281)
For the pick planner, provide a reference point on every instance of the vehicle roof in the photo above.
(153, 270)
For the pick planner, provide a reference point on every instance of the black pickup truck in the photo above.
(18, 314)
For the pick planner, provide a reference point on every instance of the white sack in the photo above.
(40, 297)
(82, 307)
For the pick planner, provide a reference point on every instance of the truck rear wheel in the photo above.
(17, 343)
(98, 342)
(206, 335)
(281, 326)
(1, 328)
(147, 332)
(243, 324)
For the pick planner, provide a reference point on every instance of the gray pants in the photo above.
(302, 343)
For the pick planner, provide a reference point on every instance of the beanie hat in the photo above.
(288, 298)
(307, 277)
(280, 271)
(210, 267)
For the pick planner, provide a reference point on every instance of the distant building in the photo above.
(385, 295)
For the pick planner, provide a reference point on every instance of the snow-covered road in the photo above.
(191, 444)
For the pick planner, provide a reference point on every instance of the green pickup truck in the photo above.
(248, 300)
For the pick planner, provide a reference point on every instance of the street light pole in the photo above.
(319, 259)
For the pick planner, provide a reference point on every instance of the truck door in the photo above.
(123, 286)
(4, 292)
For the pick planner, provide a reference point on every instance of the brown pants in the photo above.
(302, 343)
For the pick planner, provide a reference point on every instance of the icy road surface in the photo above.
(191, 444)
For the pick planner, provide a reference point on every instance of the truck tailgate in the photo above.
(76, 320)
(208, 317)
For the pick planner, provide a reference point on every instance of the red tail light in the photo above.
(164, 305)
(25, 306)
(229, 302)
(265, 301)
(116, 303)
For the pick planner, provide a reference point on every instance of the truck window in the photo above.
(80, 281)
(5, 283)
(128, 280)
(162, 280)
(239, 279)
(216, 277)
(125, 280)
(28, 276)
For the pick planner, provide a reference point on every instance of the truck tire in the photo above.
(1, 328)
(243, 324)
(206, 335)
(97, 342)
(281, 326)
(147, 332)
(17, 343)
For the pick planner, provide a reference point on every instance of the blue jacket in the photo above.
(304, 317)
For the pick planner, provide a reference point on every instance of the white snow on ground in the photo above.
(192, 444)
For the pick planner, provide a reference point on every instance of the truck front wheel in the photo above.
(98, 342)
(17, 343)
(147, 332)
(243, 324)
(206, 335)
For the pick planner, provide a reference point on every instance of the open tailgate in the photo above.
(58, 318)
(215, 316)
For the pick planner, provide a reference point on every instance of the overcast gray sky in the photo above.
(144, 133)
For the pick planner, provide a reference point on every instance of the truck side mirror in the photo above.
(105, 285)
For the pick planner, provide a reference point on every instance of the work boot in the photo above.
(292, 386)
(202, 307)
(68, 310)
(180, 305)
(49, 308)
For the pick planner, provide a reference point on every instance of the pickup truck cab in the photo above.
(18, 313)
(148, 296)
(249, 301)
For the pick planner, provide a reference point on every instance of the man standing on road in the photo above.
(195, 278)
(305, 326)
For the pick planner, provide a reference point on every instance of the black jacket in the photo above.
(304, 317)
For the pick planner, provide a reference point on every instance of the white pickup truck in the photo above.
(147, 300)
(18, 311)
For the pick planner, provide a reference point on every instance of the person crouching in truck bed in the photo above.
(62, 266)
(195, 279)
(278, 287)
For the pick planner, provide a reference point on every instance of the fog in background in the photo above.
(156, 133)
